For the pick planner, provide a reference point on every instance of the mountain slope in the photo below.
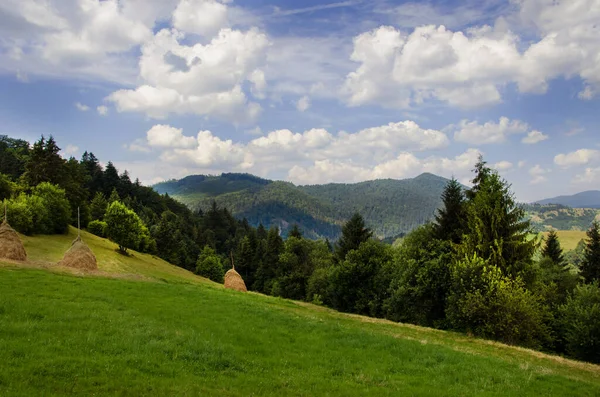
(391, 207)
(588, 199)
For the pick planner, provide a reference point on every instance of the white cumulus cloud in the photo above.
(533, 137)
(578, 157)
(490, 132)
(82, 107)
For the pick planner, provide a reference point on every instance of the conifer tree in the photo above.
(496, 231)
(553, 250)
(354, 232)
(450, 220)
(114, 196)
(590, 267)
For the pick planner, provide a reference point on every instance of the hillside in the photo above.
(588, 199)
(152, 329)
(45, 250)
(391, 207)
(560, 217)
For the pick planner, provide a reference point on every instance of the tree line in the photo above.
(477, 268)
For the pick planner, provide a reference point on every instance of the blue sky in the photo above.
(311, 91)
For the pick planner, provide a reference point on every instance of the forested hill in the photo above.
(391, 207)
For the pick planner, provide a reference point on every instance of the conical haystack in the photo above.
(79, 256)
(11, 246)
(233, 280)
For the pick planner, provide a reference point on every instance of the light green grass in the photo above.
(87, 334)
(48, 250)
(569, 238)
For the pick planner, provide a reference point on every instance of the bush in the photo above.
(97, 227)
(19, 216)
(209, 265)
(486, 303)
(123, 226)
(580, 319)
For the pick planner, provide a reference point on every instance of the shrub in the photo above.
(19, 216)
(97, 227)
(580, 319)
(488, 304)
(209, 265)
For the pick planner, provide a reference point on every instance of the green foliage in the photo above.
(496, 231)
(580, 317)
(13, 156)
(450, 219)
(19, 216)
(552, 249)
(123, 226)
(57, 206)
(7, 187)
(209, 265)
(590, 266)
(97, 227)
(354, 233)
(114, 196)
(361, 282)
(422, 280)
(44, 163)
(486, 303)
(98, 206)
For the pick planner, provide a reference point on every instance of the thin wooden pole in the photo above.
(78, 224)
(231, 254)
(5, 213)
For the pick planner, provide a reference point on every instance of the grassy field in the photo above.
(172, 333)
(569, 238)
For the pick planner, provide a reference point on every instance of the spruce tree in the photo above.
(496, 231)
(354, 232)
(590, 267)
(553, 250)
(450, 220)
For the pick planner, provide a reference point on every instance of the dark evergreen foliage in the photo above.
(354, 233)
(450, 219)
(590, 267)
(553, 250)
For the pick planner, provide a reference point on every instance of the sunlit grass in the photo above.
(63, 334)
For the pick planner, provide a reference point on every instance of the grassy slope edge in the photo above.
(68, 334)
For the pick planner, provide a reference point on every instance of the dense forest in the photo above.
(475, 268)
(390, 207)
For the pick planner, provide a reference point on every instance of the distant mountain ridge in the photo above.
(390, 207)
(587, 199)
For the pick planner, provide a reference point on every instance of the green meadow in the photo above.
(140, 326)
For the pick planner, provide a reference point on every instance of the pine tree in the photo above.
(553, 250)
(590, 267)
(111, 179)
(354, 232)
(450, 220)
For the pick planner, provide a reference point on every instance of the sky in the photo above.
(311, 91)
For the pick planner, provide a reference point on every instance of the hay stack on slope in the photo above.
(233, 280)
(11, 246)
(79, 256)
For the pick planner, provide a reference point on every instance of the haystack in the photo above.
(79, 256)
(233, 280)
(11, 246)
